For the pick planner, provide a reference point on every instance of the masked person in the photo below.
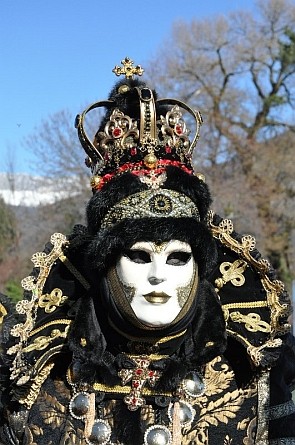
(156, 323)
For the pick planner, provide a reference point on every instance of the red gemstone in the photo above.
(178, 129)
(133, 151)
(138, 371)
(151, 373)
(135, 384)
(117, 132)
(168, 149)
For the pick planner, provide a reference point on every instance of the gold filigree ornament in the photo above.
(232, 272)
(51, 301)
(252, 321)
(43, 262)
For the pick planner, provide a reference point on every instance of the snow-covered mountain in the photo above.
(32, 191)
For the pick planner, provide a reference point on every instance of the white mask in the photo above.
(157, 280)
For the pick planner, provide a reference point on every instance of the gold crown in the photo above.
(150, 142)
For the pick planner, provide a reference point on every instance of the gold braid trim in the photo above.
(50, 323)
(43, 262)
(126, 390)
(37, 382)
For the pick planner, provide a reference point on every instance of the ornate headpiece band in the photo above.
(151, 204)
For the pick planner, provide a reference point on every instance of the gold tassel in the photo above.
(90, 416)
(176, 427)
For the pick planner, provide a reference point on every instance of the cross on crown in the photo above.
(128, 69)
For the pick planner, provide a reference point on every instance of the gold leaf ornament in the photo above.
(222, 410)
(217, 380)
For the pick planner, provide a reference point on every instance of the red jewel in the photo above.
(138, 371)
(168, 149)
(135, 384)
(133, 151)
(117, 132)
(178, 129)
(151, 373)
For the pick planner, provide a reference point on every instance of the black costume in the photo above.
(78, 367)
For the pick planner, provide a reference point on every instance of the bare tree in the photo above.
(57, 152)
(240, 72)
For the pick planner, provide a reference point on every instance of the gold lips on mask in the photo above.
(157, 297)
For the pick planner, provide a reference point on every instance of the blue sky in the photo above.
(59, 54)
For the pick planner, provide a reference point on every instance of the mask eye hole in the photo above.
(138, 256)
(178, 258)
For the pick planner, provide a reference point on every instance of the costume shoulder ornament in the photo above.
(255, 304)
(45, 322)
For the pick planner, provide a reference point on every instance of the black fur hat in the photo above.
(107, 244)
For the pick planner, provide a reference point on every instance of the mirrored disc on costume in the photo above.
(79, 405)
(157, 435)
(100, 433)
(193, 384)
(186, 413)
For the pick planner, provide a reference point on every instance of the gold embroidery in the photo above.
(243, 424)
(28, 435)
(253, 322)
(3, 313)
(44, 263)
(43, 341)
(51, 301)
(232, 272)
(50, 323)
(255, 352)
(36, 385)
(251, 432)
(242, 305)
(273, 288)
(219, 380)
(55, 415)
